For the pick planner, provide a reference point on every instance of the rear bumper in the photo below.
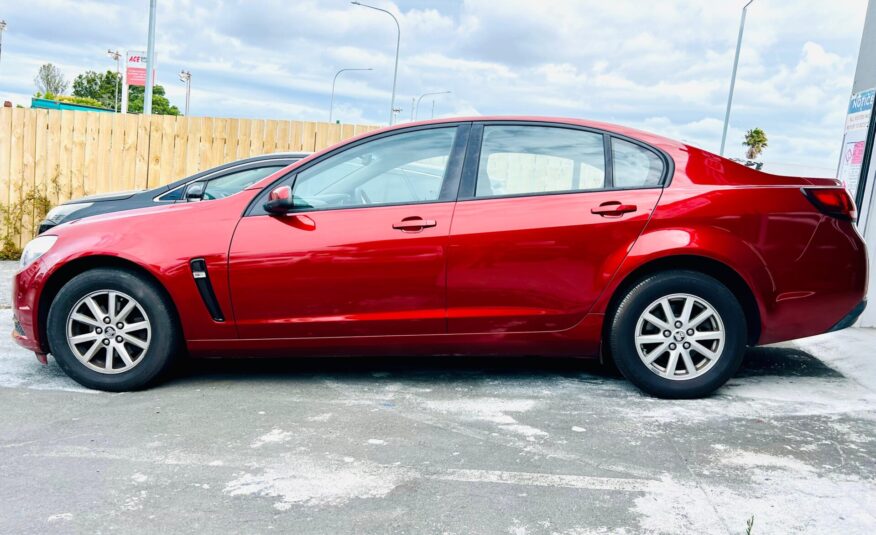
(850, 318)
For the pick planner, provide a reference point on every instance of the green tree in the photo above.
(160, 104)
(756, 141)
(101, 87)
(49, 79)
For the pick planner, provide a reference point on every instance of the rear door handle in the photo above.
(613, 208)
(414, 224)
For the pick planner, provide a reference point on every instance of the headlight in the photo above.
(36, 248)
(60, 213)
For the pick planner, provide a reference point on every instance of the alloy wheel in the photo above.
(680, 336)
(108, 331)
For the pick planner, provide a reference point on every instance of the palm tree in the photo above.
(756, 141)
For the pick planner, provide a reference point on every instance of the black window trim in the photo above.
(467, 188)
(449, 185)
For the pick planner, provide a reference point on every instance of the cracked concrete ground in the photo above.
(443, 446)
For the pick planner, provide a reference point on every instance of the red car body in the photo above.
(514, 275)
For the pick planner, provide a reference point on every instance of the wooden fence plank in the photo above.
(180, 148)
(165, 161)
(117, 146)
(16, 151)
(28, 171)
(5, 154)
(192, 145)
(104, 152)
(205, 147)
(92, 123)
(65, 156)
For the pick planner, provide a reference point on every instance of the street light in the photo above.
(397, 45)
(186, 77)
(335, 79)
(2, 29)
(417, 107)
(150, 60)
(733, 77)
(115, 54)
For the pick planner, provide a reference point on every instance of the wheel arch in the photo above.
(66, 272)
(720, 271)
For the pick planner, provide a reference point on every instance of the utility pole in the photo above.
(733, 77)
(150, 60)
(186, 77)
(116, 55)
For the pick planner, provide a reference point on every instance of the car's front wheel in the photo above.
(678, 334)
(112, 329)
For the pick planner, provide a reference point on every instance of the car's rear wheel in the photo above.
(112, 329)
(678, 334)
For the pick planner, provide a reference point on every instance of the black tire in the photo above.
(652, 288)
(164, 341)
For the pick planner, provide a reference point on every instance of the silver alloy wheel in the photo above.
(108, 331)
(680, 327)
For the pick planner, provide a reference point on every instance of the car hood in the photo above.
(117, 196)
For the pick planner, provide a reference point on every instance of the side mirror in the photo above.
(195, 191)
(280, 200)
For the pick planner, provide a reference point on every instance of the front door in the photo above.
(543, 222)
(364, 254)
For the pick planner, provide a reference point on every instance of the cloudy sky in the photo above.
(661, 65)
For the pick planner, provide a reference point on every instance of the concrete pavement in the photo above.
(520, 446)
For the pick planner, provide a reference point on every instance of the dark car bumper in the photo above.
(45, 225)
(850, 318)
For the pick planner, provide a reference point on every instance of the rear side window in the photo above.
(521, 160)
(635, 166)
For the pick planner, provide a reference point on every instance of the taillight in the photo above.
(835, 202)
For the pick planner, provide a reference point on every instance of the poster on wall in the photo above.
(855, 140)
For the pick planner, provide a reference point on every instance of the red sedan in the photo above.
(482, 236)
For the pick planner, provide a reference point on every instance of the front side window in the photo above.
(238, 181)
(403, 168)
(522, 160)
(635, 166)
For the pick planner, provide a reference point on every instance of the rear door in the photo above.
(543, 221)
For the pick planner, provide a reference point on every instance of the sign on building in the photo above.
(855, 140)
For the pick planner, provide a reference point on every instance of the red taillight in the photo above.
(834, 202)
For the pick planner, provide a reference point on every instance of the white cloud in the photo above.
(662, 66)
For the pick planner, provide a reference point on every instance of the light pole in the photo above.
(150, 60)
(335, 79)
(2, 29)
(116, 55)
(186, 77)
(397, 46)
(417, 107)
(733, 77)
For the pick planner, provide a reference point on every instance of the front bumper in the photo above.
(25, 330)
(850, 318)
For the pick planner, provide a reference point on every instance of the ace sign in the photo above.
(135, 68)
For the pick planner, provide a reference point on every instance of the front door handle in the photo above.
(613, 208)
(414, 224)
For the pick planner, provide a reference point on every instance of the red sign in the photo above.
(135, 68)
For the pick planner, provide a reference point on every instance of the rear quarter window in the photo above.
(635, 166)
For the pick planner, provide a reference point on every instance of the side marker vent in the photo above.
(205, 288)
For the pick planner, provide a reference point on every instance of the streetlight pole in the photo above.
(2, 29)
(116, 55)
(733, 77)
(397, 46)
(334, 80)
(186, 77)
(150, 60)
(417, 107)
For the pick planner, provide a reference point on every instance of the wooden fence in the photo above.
(49, 156)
